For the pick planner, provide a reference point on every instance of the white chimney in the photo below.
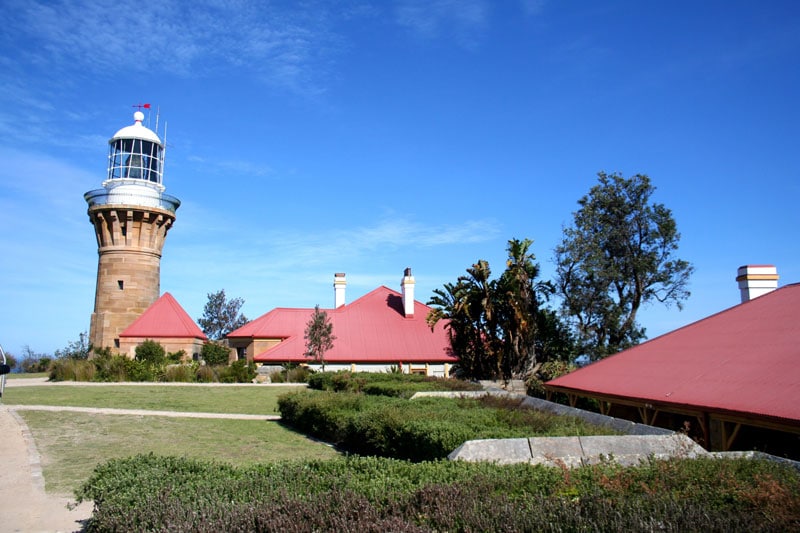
(339, 284)
(756, 280)
(408, 293)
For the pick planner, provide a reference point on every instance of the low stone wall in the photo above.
(578, 451)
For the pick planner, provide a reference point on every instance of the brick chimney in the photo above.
(407, 285)
(339, 284)
(756, 280)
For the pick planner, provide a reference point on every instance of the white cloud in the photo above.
(283, 46)
(462, 20)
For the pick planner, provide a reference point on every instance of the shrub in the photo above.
(205, 374)
(180, 373)
(150, 493)
(240, 371)
(215, 354)
(110, 367)
(69, 369)
(321, 381)
(150, 352)
(176, 357)
(277, 377)
(33, 363)
(385, 384)
(423, 429)
(297, 374)
(136, 370)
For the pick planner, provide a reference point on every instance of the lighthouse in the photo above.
(131, 216)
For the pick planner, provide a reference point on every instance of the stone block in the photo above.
(501, 451)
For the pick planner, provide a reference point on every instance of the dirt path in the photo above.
(24, 504)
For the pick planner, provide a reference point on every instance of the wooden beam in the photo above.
(728, 438)
(573, 399)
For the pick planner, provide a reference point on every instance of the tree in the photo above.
(221, 316)
(215, 354)
(319, 336)
(77, 349)
(618, 254)
(519, 297)
(34, 362)
(498, 328)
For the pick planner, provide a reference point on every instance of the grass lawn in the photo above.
(211, 399)
(72, 444)
(27, 375)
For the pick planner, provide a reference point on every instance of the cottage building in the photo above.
(167, 323)
(732, 378)
(382, 329)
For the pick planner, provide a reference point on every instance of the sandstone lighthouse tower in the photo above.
(131, 216)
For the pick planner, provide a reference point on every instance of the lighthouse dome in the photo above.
(136, 131)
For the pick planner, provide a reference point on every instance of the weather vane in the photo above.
(141, 106)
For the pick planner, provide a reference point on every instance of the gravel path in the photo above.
(24, 504)
(141, 412)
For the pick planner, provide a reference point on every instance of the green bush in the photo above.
(110, 367)
(176, 357)
(150, 352)
(215, 354)
(149, 493)
(321, 381)
(138, 370)
(422, 429)
(385, 384)
(240, 371)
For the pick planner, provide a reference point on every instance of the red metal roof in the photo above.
(744, 360)
(372, 329)
(165, 318)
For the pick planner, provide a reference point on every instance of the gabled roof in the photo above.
(165, 318)
(371, 329)
(744, 361)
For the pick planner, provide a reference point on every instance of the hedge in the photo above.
(418, 430)
(149, 493)
(388, 384)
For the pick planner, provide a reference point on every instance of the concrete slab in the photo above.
(556, 450)
(501, 451)
(632, 449)
(577, 451)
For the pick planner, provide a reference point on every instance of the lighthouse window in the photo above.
(121, 284)
(135, 158)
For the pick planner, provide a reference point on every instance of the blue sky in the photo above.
(307, 138)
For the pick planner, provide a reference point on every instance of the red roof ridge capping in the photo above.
(164, 318)
(740, 360)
